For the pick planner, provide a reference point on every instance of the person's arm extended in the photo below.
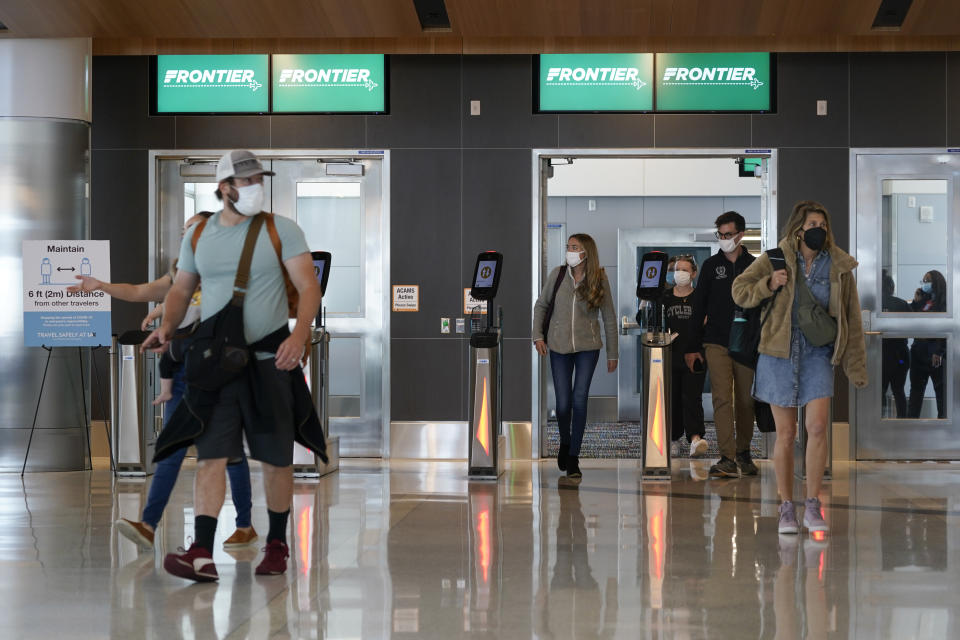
(300, 270)
(146, 292)
(175, 308)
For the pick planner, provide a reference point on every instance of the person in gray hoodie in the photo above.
(568, 305)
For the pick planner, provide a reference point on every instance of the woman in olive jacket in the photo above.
(575, 339)
(792, 372)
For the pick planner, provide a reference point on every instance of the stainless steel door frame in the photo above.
(166, 191)
(539, 268)
(901, 439)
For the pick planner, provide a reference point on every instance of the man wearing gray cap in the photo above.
(264, 405)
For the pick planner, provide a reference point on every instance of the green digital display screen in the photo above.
(595, 82)
(212, 84)
(714, 82)
(329, 84)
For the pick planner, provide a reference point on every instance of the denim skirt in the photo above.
(793, 382)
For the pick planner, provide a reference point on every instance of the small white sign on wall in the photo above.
(406, 297)
(471, 304)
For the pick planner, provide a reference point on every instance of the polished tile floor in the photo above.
(412, 550)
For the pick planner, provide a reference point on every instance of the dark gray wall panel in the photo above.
(816, 174)
(605, 130)
(953, 99)
(898, 100)
(427, 380)
(702, 130)
(119, 212)
(425, 238)
(497, 214)
(504, 86)
(121, 112)
(424, 104)
(802, 79)
(223, 132)
(516, 380)
(318, 132)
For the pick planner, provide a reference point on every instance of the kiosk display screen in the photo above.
(652, 275)
(486, 275)
(321, 267)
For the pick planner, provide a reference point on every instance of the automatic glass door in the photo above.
(904, 230)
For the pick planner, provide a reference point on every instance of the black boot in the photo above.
(562, 455)
(573, 467)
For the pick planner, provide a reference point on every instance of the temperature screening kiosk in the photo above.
(486, 444)
(655, 361)
(305, 463)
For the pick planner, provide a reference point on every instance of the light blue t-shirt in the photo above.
(218, 253)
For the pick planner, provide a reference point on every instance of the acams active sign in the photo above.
(212, 84)
(329, 83)
(714, 82)
(596, 82)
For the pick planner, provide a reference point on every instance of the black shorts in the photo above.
(236, 416)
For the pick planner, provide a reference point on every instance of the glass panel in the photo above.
(915, 228)
(199, 196)
(331, 216)
(914, 372)
(346, 376)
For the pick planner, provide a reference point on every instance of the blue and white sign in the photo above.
(53, 316)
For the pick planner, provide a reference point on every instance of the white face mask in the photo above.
(682, 278)
(728, 246)
(573, 258)
(249, 200)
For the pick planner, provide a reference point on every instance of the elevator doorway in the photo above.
(340, 200)
(631, 201)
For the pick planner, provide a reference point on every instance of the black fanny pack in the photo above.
(217, 353)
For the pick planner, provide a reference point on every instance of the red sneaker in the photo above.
(196, 563)
(275, 561)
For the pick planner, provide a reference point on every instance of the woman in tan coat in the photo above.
(796, 364)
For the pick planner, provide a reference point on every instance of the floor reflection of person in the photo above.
(791, 620)
(896, 355)
(927, 354)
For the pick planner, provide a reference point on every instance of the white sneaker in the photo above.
(698, 448)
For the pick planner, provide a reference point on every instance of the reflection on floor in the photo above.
(620, 440)
(412, 550)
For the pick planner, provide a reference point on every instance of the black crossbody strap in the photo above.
(769, 303)
(246, 257)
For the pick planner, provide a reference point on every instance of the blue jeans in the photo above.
(572, 374)
(165, 474)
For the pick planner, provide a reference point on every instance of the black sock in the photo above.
(278, 526)
(204, 531)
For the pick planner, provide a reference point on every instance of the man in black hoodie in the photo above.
(730, 381)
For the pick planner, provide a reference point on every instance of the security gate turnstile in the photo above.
(305, 463)
(657, 415)
(485, 455)
(135, 423)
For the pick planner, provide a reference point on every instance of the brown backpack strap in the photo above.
(243, 268)
(195, 238)
(275, 240)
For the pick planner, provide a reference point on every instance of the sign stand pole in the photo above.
(86, 427)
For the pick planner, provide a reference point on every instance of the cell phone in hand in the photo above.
(698, 366)
(778, 262)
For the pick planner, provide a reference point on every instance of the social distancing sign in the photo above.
(53, 316)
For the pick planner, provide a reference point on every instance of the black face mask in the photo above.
(814, 238)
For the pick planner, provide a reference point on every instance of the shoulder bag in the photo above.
(743, 345)
(218, 352)
(814, 321)
(549, 314)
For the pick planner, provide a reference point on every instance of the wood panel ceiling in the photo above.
(482, 26)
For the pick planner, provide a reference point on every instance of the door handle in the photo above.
(626, 325)
(873, 333)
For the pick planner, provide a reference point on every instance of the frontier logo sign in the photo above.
(596, 82)
(212, 84)
(716, 76)
(595, 76)
(212, 78)
(713, 82)
(328, 83)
